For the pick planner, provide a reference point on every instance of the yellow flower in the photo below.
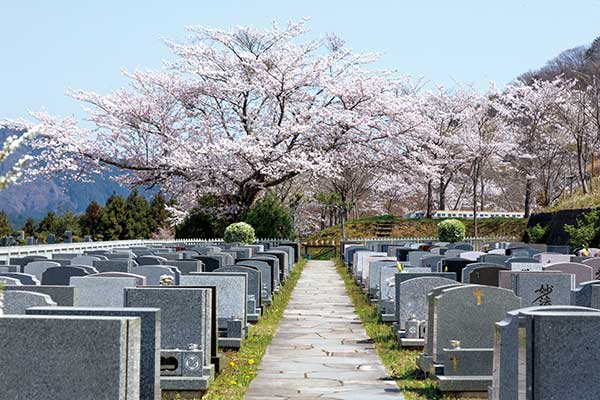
(251, 361)
(231, 364)
(232, 382)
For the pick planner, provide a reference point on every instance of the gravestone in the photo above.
(119, 265)
(482, 274)
(85, 260)
(581, 272)
(468, 365)
(254, 288)
(431, 262)
(149, 340)
(455, 265)
(583, 295)
(534, 356)
(151, 260)
(139, 279)
(540, 288)
(493, 258)
(82, 357)
(25, 279)
(62, 295)
(266, 275)
(414, 258)
(595, 264)
(61, 275)
(95, 291)
(551, 258)
(185, 319)
(16, 302)
(274, 264)
(210, 263)
(4, 280)
(187, 266)
(375, 275)
(37, 268)
(472, 255)
(232, 299)
(153, 273)
(411, 297)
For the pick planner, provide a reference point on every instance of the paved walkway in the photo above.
(321, 350)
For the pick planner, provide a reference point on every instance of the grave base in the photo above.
(412, 343)
(217, 361)
(425, 364)
(184, 384)
(182, 394)
(230, 343)
(472, 386)
(253, 317)
(388, 317)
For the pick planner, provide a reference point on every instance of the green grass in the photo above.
(241, 366)
(579, 200)
(400, 363)
(366, 227)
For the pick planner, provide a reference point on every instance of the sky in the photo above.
(48, 47)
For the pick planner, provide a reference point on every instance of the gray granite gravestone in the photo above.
(540, 288)
(551, 258)
(139, 279)
(37, 268)
(534, 356)
(97, 291)
(82, 357)
(593, 262)
(61, 275)
(411, 297)
(25, 279)
(4, 280)
(468, 365)
(114, 265)
(150, 260)
(85, 260)
(185, 319)
(153, 273)
(254, 289)
(582, 272)
(375, 275)
(266, 276)
(186, 266)
(16, 302)
(231, 305)
(62, 295)
(482, 274)
(149, 341)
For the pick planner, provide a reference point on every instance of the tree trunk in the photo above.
(581, 167)
(527, 205)
(475, 179)
(442, 195)
(429, 199)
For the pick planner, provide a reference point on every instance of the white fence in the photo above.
(47, 249)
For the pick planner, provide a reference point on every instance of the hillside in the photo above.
(35, 199)
(578, 200)
(367, 227)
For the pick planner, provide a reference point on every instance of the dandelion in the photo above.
(232, 382)
(231, 364)
(251, 361)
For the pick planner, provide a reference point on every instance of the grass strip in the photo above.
(400, 363)
(241, 366)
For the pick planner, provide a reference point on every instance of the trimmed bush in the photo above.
(451, 230)
(536, 234)
(239, 232)
(584, 232)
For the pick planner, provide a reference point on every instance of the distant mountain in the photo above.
(37, 198)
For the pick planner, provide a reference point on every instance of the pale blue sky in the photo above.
(47, 47)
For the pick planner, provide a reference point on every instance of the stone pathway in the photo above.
(321, 350)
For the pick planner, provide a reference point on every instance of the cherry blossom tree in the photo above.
(237, 112)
